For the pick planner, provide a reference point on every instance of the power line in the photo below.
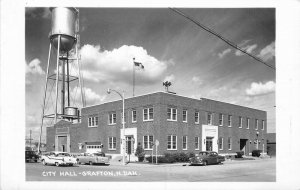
(221, 37)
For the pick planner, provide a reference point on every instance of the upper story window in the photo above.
(197, 117)
(93, 121)
(248, 123)
(184, 115)
(148, 114)
(148, 142)
(229, 120)
(133, 118)
(172, 142)
(209, 118)
(221, 119)
(263, 125)
(172, 114)
(240, 122)
(125, 117)
(256, 124)
(112, 118)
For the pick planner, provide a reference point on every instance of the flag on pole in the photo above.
(137, 64)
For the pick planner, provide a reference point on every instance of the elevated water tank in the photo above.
(63, 23)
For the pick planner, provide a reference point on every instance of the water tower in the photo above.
(64, 37)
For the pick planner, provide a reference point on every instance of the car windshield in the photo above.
(203, 153)
(63, 154)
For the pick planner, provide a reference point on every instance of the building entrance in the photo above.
(209, 143)
(243, 147)
(62, 143)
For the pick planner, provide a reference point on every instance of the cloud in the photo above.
(34, 67)
(258, 89)
(268, 52)
(248, 49)
(36, 12)
(169, 78)
(116, 65)
(91, 97)
(223, 53)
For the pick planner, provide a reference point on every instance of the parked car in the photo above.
(58, 159)
(31, 156)
(93, 158)
(207, 157)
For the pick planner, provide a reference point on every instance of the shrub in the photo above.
(239, 154)
(256, 153)
(160, 159)
(190, 154)
(140, 153)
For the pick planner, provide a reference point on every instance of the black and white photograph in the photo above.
(162, 95)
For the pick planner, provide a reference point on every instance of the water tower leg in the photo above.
(44, 99)
(57, 77)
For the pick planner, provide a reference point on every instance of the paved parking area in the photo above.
(263, 170)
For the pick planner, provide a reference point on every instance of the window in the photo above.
(184, 143)
(112, 118)
(196, 143)
(148, 114)
(125, 117)
(93, 122)
(229, 143)
(229, 120)
(148, 142)
(133, 116)
(172, 142)
(263, 125)
(240, 122)
(256, 124)
(248, 123)
(197, 117)
(221, 119)
(112, 143)
(209, 118)
(221, 143)
(184, 115)
(172, 114)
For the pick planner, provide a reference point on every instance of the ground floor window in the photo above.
(184, 142)
(112, 143)
(229, 143)
(196, 143)
(221, 143)
(172, 142)
(148, 142)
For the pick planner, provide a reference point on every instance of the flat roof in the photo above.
(172, 94)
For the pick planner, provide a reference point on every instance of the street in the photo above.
(261, 170)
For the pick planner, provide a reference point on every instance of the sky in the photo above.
(169, 46)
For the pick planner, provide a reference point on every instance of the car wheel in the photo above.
(91, 163)
(79, 163)
(204, 163)
(56, 163)
(44, 162)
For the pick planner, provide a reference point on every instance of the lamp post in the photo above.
(123, 122)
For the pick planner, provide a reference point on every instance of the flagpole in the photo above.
(133, 77)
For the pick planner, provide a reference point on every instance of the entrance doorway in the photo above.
(243, 147)
(62, 143)
(129, 145)
(209, 143)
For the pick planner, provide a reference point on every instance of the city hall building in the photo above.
(177, 123)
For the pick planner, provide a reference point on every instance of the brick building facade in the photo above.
(178, 123)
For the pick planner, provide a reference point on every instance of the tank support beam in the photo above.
(44, 100)
(57, 76)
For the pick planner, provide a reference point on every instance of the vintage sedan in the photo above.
(93, 158)
(207, 157)
(58, 159)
